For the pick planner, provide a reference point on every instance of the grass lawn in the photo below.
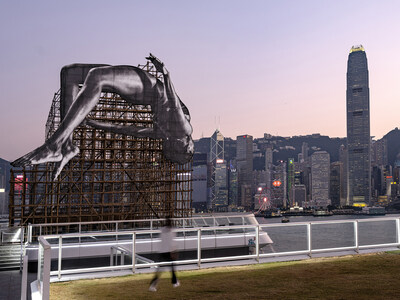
(371, 276)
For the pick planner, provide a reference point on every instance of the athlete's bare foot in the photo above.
(69, 150)
(44, 153)
(49, 153)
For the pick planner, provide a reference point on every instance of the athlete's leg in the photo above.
(122, 80)
(71, 76)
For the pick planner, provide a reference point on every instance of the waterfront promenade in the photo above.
(10, 281)
(10, 284)
(282, 239)
(367, 276)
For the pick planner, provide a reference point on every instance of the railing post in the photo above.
(356, 236)
(199, 247)
(258, 243)
(44, 288)
(39, 267)
(22, 235)
(398, 232)
(24, 280)
(30, 233)
(309, 240)
(111, 256)
(151, 234)
(133, 252)
(80, 232)
(59, 256)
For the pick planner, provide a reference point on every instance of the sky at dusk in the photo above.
(258, 67)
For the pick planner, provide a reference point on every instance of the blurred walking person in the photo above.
(168, 253)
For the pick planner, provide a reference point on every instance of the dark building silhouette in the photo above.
(358, 128)
(244, 160)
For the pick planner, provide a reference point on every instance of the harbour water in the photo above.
(292, 236)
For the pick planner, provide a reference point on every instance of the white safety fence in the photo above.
(310, 235)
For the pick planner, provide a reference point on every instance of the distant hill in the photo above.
(393, 142)
(289, 147)
(285, 148)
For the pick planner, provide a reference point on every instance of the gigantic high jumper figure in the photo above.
(171, 119)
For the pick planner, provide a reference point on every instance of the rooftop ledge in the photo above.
(357, 48)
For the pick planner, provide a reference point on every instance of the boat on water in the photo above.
(322, 213)
(374, 211)
(273, 214)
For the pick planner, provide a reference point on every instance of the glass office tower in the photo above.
(358, 128)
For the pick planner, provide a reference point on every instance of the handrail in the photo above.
(137, 221)
(116, 222)
(146, 231)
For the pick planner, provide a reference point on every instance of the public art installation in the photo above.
(170, 122)
(117, 146)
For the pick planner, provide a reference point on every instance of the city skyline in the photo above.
(279, 68)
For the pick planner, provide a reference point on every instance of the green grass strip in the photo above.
(372, 276)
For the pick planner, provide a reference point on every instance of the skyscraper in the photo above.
(320, 167)
(244, 159)
(358, 128)
(218, 178)
(290, 180)
(335, 185)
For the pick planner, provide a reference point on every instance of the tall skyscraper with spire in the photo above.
(358, 128)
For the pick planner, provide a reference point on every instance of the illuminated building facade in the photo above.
(358, 128)
(244, 160)
(320, 168)
(4, 185)
(218, 176)
(290, 180)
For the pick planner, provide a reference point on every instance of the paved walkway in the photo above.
(10, 284)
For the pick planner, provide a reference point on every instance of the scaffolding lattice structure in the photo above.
(114, 177)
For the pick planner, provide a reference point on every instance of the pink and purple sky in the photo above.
(259, 67)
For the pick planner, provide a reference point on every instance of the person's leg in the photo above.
(161, 257)
(174, 279)
(154, 282)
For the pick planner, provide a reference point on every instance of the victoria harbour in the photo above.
(331, 232)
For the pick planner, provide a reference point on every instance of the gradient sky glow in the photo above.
(258, 66)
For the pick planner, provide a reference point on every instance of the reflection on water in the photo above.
(327, 235)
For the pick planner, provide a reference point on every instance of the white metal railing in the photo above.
(44, 257)
(40, 229)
